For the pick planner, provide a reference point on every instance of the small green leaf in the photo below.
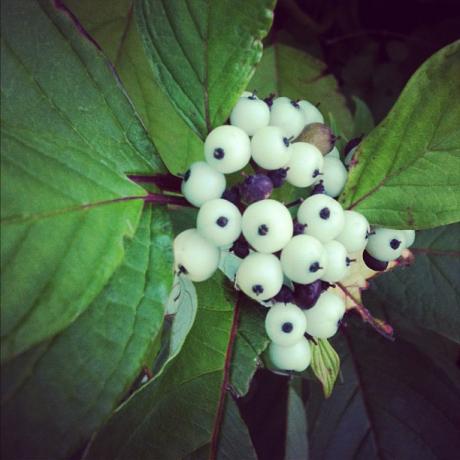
(393, 403)
(173, 415)
(408, 169)
(203, 53)
(290, 72)
(69, 136)
(56, 395)
(296, 431)
(427, 291)
(363, 121)
(325, 363)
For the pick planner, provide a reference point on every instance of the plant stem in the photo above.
(167, 199)
(225, 382)
(166, 182)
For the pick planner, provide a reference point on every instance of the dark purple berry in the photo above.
(299, 228)
(255, 188)
(287, 327)
(373, 263)
(318, 188)
(233, 195)
(306, 295)
(222, 221)
(284, 296)
(351, 144)
(240, 247)
(278, 176)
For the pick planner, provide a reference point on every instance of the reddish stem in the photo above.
(166, 199)
(225, 382)
(166, 182)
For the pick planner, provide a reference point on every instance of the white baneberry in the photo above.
(270, 148)
(285, 324)
(250, 114)
(334, 176)
(355, 231)
(386, 244)
(304, 165)
(337, 262)
(287, 115)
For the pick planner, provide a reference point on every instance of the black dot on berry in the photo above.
(394, 244)
(262, 230)
(187, 175)
(182, 270)
(222, 221)
(314, 267)
(287, 327)
(219, 153)
(257, 289)
(325, 213)
(286, 141)
(316, 173)
(295, 104)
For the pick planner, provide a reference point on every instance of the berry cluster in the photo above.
(286, 263)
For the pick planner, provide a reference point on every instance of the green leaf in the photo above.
(56, 395)
(325, 363)
(69, 135)
(427, 291)
(173, 415)
(393, 402)
(203, 53)
(116, 31)
(363, 121)
(408, 170)
(251, 341)
(296, 431)
(290, 72)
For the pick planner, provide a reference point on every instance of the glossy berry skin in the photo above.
(260, 276)
(267, 226)
(285, 324)
(303, 259)
(270, 148)
(355, 231)
(310, 112)
(320, 135)
(373, 263)
(305, 164)
(306, 295)
(297, 357)
(334, 176)
(255, 188)
(323, 217)
(227, 149)
(202, 183)
(287, 115)
(219, 221)
(195, 256)
(386, 244)
(323, 318)
(338, 264)
(250, 114)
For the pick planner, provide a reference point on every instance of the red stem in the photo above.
(166, 182)
(166, 199)
(225, 382)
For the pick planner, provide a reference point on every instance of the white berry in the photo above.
(337, 262)
(288, 116)
(219, 221)
(194, 256)
(334, 153)
(250, 114)
(202, 183)
(303, 259)
(227, 149)
(297, 357)
(386, 244)
(285, 324)
(410, 237)
(267, 225)
(270, 148)
(311, 113)
(260, 276)
(355, 231)
(323, 317)
(305, 164)
(334, 176)
(323, 217)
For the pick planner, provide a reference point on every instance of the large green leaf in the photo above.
(203, 53)
(290, 72)
(116, 31)
(56, 395)
(408, 170)
(69, 134)
(174, 415)
(393, 403)
(296, 429)
(427, 291)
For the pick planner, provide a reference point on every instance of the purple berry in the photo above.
(299, 228)
(351, 144)
(318, 188)
(255, 188)
(306, 295)
(240, 247)
(233, 195)
(277, 176)
(373, 263)
(284, 296)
